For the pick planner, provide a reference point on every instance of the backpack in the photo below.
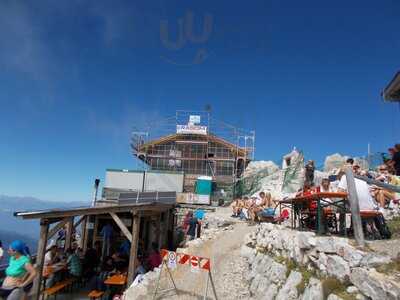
(382, 227)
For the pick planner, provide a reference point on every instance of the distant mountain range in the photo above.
(12, 228)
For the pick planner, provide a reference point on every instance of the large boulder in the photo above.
(351, 255)
(337, 267)
(374, 284)
(248, 253)
(314, 290)
(371, 260)
(267, 167)
(306, 240)
(334, 161)
(270, 292)
(334, 297)
(289, 290)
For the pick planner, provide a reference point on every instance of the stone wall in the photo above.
(289, 264)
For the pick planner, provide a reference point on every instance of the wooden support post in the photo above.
(134, 248)
(84, 234)
(57, 227)
(44, 230)
(96, 225)
(354, 207)
(159, 230)
(68, 236)
(122, 226)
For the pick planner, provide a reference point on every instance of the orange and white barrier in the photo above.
(170, 259)
(194, 261)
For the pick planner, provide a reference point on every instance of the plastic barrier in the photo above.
(171, 259)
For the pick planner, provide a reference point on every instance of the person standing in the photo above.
(309, 173)
(192, 225)
(107, 233)
(19, 273)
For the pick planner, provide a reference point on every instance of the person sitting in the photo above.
(236, 206)
(384, 196)
(121, 261)
(325, 187)
(247, 205)
(262, 202)
(90, 262)
(106, 270)
(357, 169)
(19, 273)
(365, 200)
(73, 263)
(51, 256)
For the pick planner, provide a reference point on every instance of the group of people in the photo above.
(60, 263)
(253, 208)
(377, 195)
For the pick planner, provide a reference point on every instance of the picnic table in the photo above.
(299, 204)
(118, 279)
(52, 269)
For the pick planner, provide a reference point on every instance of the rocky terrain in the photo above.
(288, 264)
(269, 261)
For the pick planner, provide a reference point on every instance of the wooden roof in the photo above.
(392, 91)
(178, 137)
(97, 210)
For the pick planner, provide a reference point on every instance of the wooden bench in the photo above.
(369, 213)
(55, 289)
(93, 295)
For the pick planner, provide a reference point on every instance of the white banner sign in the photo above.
(191, 129)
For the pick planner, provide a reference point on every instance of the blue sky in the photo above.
(76, 76)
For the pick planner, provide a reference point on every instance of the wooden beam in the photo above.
(79, 222)
(385, 186)
(134, 248)
(98, 210)
(355, 207)
(57, 227)
(122, 226)
(68, 236)
(84, 234)
(44, 230)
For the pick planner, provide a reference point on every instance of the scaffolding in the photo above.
(198, 145)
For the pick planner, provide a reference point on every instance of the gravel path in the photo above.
(228, 267)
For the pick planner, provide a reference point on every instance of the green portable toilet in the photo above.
(204, 185)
